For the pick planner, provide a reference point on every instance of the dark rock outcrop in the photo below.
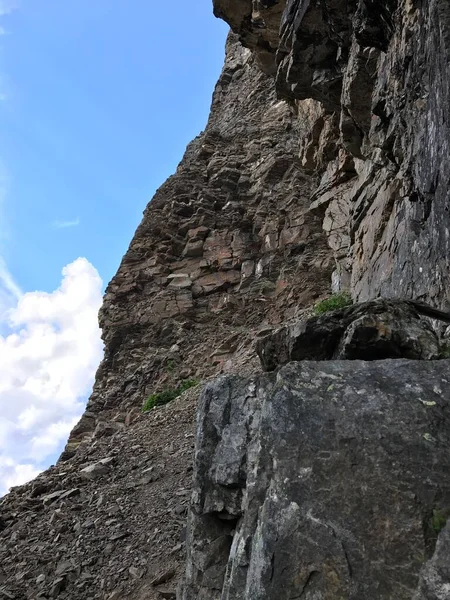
(328, 480)
(367, 331)
(435, 577)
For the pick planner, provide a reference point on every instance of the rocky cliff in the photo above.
(373, 79)
(324, 166)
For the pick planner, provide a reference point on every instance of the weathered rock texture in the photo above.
(372, 78)
(226, 246)
(328, 480)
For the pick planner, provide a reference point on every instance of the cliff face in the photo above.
(324, 166)
(326, 480)
(379, 74)
(227, 247)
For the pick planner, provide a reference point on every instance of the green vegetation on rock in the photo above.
(161, 398)
(439, 520)
(444, 351)
(334, 302)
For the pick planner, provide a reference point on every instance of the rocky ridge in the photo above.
(226, 250)
(323, 166)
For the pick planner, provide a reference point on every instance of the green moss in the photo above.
(170, 366)
(444, 350)
(334, 302)
(439, 519)
(161, 398)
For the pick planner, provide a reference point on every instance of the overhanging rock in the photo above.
(329, 480)
(372, 330)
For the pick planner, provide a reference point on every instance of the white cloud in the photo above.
(48, 361)
(13, 474)
(65, 224)
(9, 291)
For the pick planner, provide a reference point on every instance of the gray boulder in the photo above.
(326, 481)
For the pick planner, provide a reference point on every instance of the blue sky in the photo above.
(98, 99)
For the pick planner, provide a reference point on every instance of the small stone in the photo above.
(52, 497)
(64, 566)
(88, 524)
(70, 493)
(120, 535)
(179, 509)
(109, 549)
(57, 587)
(168, 594)
(106, 429)
(135, 572)
(146, 480)
(94, 471)
(164, 577)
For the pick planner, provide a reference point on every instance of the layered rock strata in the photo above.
(227, 247)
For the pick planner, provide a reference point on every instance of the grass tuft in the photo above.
(334, 302)
(161, 398)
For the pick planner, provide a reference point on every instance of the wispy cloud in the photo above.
(7, 282)
(7, 6)
(66, 224)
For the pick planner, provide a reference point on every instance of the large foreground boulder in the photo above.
(326, 481)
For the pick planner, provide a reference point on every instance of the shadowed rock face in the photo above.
(368, 331)
(328, 480)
